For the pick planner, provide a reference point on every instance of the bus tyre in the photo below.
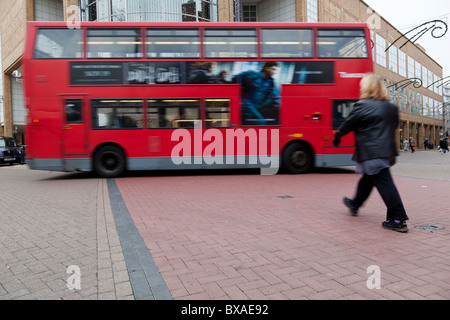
(298, 158)
(109, 162)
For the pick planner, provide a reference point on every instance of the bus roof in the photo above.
(108, 24)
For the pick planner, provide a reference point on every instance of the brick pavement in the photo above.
(50, 221)
(241, 236)
(220, 235)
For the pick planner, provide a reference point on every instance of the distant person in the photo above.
(412, 144)
(444, 145)
(405, 145)
(374, 121)
(425, 144)
(22, 154)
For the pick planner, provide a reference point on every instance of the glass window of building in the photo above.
(381, 50)
(401, 63)
(149, 10)
(312, 11)
(230, 43)
(425, 77)
(439, 110)
(436, 83)
(431, 107)
(411, 64)
(425, 106)
(440, 86)
(286, 43)
(419, 104)
(393, 92)
(173, 43)
(412, 101)
(430, 80)
(418, 73)
(402, 99)
(393, 62)
(249, 13)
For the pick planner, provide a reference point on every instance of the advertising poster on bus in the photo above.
(260, 81)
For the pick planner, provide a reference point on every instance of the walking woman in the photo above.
(374, 121)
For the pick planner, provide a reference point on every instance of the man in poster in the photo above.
(259, 99)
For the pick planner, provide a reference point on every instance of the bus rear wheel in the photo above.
(298, 158)
(109, 162)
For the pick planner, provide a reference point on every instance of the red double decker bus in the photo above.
(109, 97)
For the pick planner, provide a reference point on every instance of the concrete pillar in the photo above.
(433, 135)
(225, 10)
(300, 10)
(407, 130)
(421, 136)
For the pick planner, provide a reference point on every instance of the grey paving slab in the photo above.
(146, 281)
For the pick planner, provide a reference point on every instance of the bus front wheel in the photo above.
(109, 162)
(298, 158)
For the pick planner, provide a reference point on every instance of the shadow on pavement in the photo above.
(181, 173)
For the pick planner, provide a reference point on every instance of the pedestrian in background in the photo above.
(374, 121)
(412, 144)
(405, 145)
(444, 145)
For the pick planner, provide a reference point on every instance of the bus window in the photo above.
(341, 110)
(114, 43)
(52, 43)
(173, 43)
(117, 114)
(286, 43)
(230, 43)
(73, 111)
(342, 44)
(173, 113)
(217, 112)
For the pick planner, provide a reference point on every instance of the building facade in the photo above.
(413, 78)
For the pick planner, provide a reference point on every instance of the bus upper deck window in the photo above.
(54, 43)
(342, 43)
(119, 43)
(173, 43)
(286, 43)
(230, 43)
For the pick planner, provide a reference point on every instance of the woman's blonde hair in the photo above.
(372, 88)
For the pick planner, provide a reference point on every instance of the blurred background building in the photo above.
(420, 101)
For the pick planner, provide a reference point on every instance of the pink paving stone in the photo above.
(212, 229)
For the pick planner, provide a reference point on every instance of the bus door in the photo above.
(74, 131)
